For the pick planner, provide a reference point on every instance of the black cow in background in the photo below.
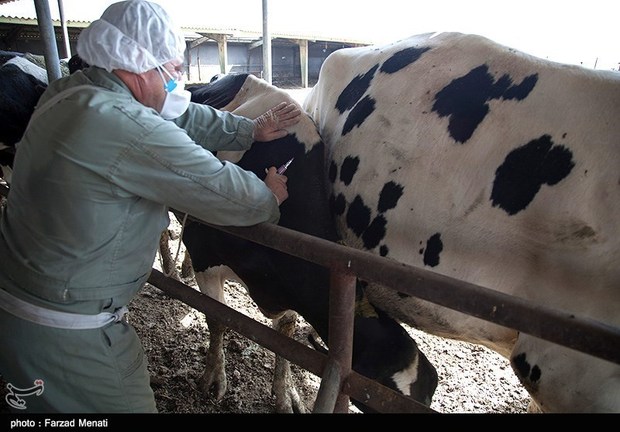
(76, 63)
(21, 90)
(24, 79)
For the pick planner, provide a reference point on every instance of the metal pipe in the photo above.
(65, 32)
(329, 390)
(46, 29)
(266, 43)
(558, 326)
(341, 320)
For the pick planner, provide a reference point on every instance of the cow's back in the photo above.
(476, 161)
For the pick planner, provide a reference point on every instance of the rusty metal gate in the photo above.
(339, 382)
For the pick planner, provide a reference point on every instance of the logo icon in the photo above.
(13, 398)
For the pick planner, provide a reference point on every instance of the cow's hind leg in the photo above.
(167, 261)
(214, 375)
(211, 282)
(186, 267)
(287, 397)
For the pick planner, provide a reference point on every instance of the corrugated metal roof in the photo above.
(227, 20)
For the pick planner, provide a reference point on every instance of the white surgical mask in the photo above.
(177, 98)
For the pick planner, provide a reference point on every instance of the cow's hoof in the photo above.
(213, 382)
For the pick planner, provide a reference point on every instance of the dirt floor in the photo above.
(175, 337)
(473, 379)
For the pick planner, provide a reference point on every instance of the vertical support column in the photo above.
(303, 61)
(222, 47)
(266, 43)
(187, 61)
(329, 390)
(65, 32)
(341, 318)
(46, 29)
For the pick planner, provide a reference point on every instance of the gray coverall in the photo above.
(94, 176)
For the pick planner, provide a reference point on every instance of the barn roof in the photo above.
(80, 14)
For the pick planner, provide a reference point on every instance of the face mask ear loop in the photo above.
(170, 85)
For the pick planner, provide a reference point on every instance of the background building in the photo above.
(296, 59)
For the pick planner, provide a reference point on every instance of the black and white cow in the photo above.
(22, 82)
(278, 282)
(459, 155)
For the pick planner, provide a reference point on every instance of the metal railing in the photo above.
(337, 382)
(561, 327)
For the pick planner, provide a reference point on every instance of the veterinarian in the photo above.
(107, 152)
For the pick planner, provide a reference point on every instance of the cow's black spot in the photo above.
(521, 365)
(524, 370)
(390, 194)
(354, 91)
(218, 93)
(465, 99)
(333, 171)
(274, 153)
(358, 114)
(374, 233)
(501, 85)
(349, 168)
(358, 216)
(338, 205)
(434, 246)
(402, 59)
(521, 91)
(526, 169)
(536, 374)
(504, 89)
(384, 250)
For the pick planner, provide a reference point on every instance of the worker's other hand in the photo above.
(277, 183)
(272, 124)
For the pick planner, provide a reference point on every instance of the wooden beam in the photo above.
(254, 45)
(199, 41)
(303, 62)
(303, 59)
(222, 47)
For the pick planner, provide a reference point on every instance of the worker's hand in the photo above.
(272, 124)
(277, 183)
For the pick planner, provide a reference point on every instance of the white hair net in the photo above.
(134, 35)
